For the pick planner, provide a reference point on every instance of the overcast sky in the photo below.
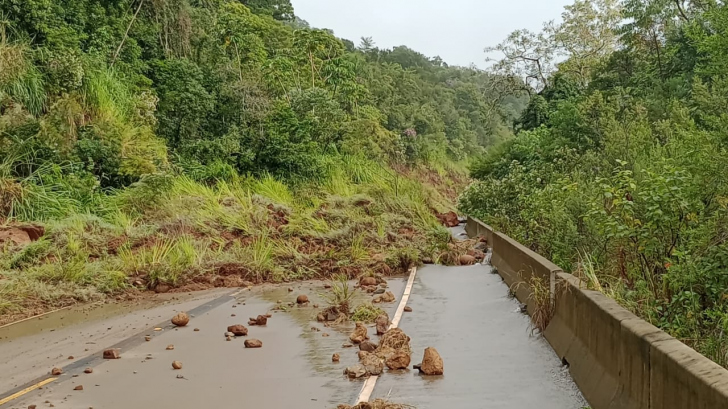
(456, 30)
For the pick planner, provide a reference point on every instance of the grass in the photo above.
(172, 230)
(366, 313)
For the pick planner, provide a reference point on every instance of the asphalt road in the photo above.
(491, 358)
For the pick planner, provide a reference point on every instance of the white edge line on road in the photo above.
(368, 387)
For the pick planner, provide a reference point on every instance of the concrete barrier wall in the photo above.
(517, 264)
(476, 228)
(617, 359)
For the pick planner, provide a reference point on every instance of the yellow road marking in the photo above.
(26, 390)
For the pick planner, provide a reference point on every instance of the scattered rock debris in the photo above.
(367, 346)
(253, 343)
(147, 338)
(56, 371)
(382, 323)
(360, 334)
(196, 329)
(355, 371)
(302, 299)
(70, 357)
(170, 347)
(398, 360)
(408, 309)
(431, 363)
(31, 406)
(260, 320)
(335, 358)
(181, 319)
(88, 370)
(238, 330)
(367, 281)
(386, 297)
(78, 388)
(112, 353)
(177, 365)
(467, 260)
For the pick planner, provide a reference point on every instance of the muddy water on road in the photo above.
(490, 357)
(292, 369)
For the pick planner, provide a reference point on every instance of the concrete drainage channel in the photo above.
(616, 359)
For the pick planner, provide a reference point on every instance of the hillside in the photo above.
(169, 145)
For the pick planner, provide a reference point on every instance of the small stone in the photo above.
(170, 347)
(228, 338)
(347, 345)
(56, 371)
(325, 334)
(112, 353)
(70, 357)
(408, 309)
(290, 289)
(177, 365)
(232, 315)
(327, 286)
(335, 358)
(315, 306)
(157, 329)
(31, 406)
(78, 388)
(238, 330)
(88, 370)
(197, 330)
(253, 343)
(147, 338)
(181, 319)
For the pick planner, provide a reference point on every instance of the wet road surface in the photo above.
(292, 369)
(490, 357)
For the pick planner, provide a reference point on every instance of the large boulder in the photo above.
(431, 362)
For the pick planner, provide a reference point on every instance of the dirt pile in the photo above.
(449, 219)
(21, 234)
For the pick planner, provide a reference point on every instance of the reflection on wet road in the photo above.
(292, 369)
(491, 359)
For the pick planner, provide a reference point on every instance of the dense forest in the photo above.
(182, 144)
(618, 168)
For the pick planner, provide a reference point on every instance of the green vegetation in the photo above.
(617, 172)
(186, 144)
